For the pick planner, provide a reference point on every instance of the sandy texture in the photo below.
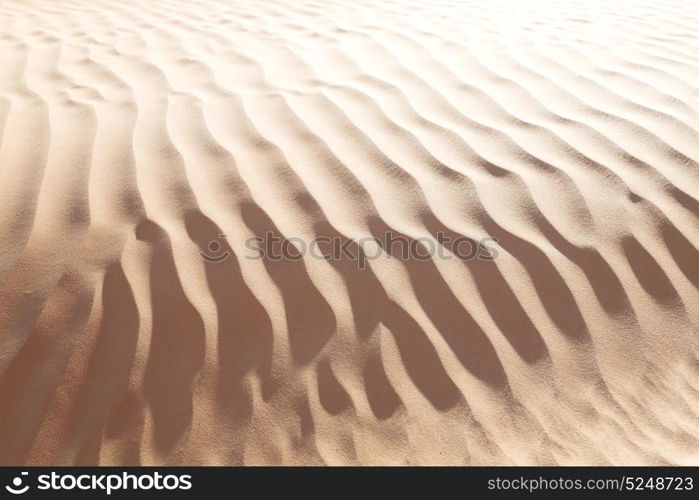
(135, 133)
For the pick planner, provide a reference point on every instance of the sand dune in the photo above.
(144, 145)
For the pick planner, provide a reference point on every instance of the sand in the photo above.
(145, 143)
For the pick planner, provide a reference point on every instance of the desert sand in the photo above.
(139, 137)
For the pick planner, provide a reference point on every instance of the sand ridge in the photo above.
(136, 134)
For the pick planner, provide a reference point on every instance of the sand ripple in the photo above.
(135, 134)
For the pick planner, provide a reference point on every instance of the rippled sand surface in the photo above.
(137, 137)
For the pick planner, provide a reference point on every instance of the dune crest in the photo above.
(145, 145)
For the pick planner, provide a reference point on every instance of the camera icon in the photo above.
(214, 248)
(16, 487)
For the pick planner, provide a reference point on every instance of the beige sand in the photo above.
(134, 133)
